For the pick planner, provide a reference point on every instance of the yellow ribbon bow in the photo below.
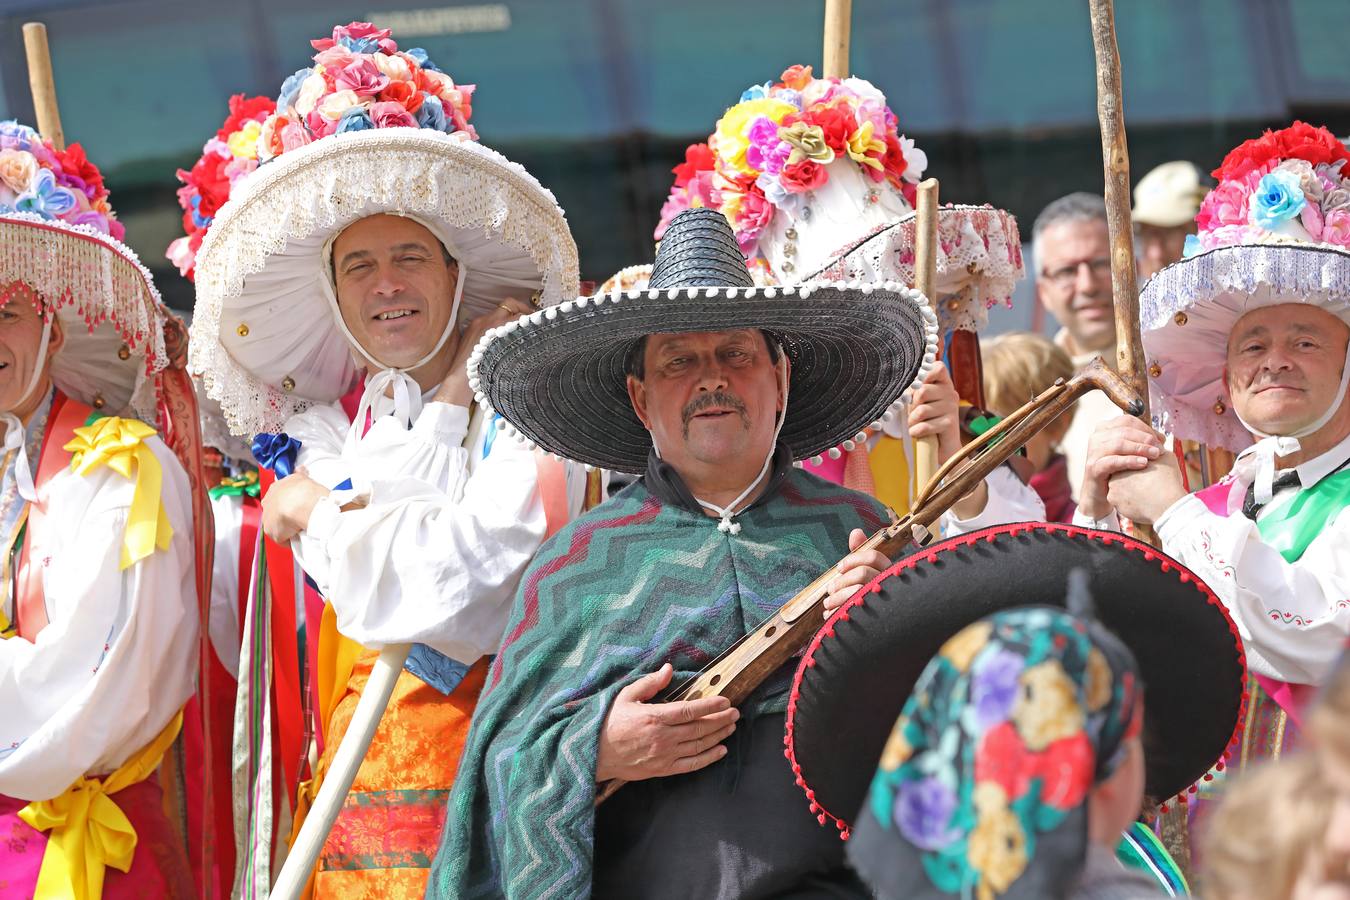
(120, 444)
(89, 831)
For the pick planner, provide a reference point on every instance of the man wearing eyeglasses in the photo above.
(1072, 254)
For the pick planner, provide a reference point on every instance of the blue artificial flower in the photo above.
(276, 452)
(198, 219)
(420, 57)
(45, 197)
(1278, 198)
(431, 114)
(355, 119)
(289, 88)
(1192, 247)
(788, 95)
(360, 45)
(756, 91)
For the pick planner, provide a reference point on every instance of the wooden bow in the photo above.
(776, 640)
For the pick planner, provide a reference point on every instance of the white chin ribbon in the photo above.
(394, 390)
(16, 434)
(1270, 446)
(728, 512)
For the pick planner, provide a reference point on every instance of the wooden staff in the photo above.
(925, 282)
(1116, 162)
(838, 14)
(42, 84)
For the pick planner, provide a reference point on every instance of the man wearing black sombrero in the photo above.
(710, 388)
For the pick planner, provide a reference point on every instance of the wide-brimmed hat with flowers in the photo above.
(61, 249)
(368, 129)
(558, 376)
(1275, 230)
(819, 183)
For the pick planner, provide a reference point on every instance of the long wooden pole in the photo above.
(838, 15)
(42, 84)
(925, 282)
(1116, 164)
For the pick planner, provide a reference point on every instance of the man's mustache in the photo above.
(717, 399)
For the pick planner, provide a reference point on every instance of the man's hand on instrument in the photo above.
(855, 570)
(289, 503)
(934, 409)
(1119, 448)
(641, 739)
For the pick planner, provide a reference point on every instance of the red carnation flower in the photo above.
(245, 109)
(212, 184)
(893, 162)
(74, 162)
(697, 158)
(1298, 141)
(837, 123)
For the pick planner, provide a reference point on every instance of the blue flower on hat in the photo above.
(290, 87)
(431, 114)
(355, 119)
(1192, 247)
(420, 57)
(756, 91)
(1278, 198)
(45, 197)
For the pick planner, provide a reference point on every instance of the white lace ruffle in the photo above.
(107, 303)
(313, 192)
(979, 261)
(1187, 311)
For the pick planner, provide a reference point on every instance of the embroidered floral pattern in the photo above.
(1006, 732)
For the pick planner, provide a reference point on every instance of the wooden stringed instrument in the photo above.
(746, 664)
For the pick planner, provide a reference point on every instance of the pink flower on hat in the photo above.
(388, 114)
(362, 77)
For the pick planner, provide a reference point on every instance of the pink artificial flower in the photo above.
(1229, 235)
(335, 57)
(238, 168)
(357, 31)
(1311, 217)
(676, 203)
(362, 77)
(388, 114)
(756, 214)
(319, 125)
(1225, 205)
(293, 136)
(1336, 228)
(181, 255)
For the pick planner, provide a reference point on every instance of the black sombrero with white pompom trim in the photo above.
(856, 675)
(558, 376)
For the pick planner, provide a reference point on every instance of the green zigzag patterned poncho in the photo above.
(633, 584)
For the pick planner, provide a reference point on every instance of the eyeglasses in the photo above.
(1065, 276)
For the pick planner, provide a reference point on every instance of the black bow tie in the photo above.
(1283, 480)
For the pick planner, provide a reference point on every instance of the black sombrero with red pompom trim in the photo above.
(859, 670)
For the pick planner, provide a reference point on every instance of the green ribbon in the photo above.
(237, 487)
(1290, 525)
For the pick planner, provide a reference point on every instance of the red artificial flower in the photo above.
(836, 121)
(245, 109)
(403, 93)
(796, 77)
(74, 162)
(1002, 758)
(802, 177)
(697, 158)
(211, 183)
(1298, 141)
(893, 162)
(1065, 769)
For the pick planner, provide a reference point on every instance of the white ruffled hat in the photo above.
(1275, 230)
(56, 241)
(368, 129)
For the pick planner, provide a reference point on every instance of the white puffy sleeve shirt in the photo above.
(436, 552)
(118, 656)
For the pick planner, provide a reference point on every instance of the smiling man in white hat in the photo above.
(1166, 200)
(1248, 347)
(98, 608)
(340, 291)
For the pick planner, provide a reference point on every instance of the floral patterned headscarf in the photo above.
(982, 787)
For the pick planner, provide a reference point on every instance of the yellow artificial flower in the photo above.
(243, 143)
(731, 141)
(861, 143)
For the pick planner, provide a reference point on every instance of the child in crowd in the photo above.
(1018, 366)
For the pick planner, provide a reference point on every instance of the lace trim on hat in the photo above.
(92, 279)
(979, 261)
